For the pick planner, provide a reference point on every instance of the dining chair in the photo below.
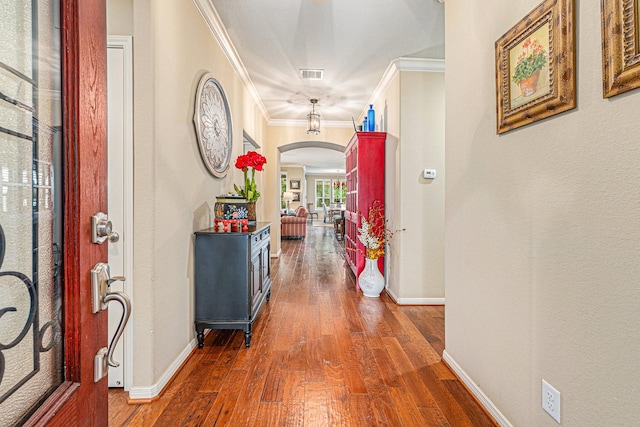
(312, 211)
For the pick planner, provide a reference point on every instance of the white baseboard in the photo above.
(477, 392)
(276, 255)
(154, 390)
(415, 301)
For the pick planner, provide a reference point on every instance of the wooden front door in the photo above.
(52, 180)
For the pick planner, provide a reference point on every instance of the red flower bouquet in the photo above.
(255, 162)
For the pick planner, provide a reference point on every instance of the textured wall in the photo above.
(173, 191)
(414, 103)
(542, 233)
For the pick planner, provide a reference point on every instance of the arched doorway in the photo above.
(309, 171)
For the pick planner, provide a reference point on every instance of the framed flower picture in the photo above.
(620, 46)
(535, 66)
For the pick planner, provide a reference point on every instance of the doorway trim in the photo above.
(311, 144)
(125, 43)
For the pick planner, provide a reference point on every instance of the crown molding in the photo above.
(303, 123)
(213, 21)
(422, 65)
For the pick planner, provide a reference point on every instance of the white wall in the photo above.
(414, 263)
(542, 233)
(173, 191)
(294, 172)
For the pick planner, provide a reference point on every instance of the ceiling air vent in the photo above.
(311, 74)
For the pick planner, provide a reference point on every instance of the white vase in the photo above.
(371, 281)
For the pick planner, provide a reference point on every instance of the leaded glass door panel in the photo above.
(52, 121)
(31, 344)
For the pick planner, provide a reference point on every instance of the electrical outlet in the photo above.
(551, 400)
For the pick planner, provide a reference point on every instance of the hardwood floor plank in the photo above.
(353, 376)
(330, 350)
(476, 414)
(382, 405)
(388, 370)
(360, 409)
(315, 405)
(217, 372)
(298, 349)
(337, 399)
(245, 414)
(293, 399)
(148, 414)
(120, 413)
(315, 364)
(186, 412)
(408, 412)
(433, 417)
(321, 355)
(410, 375)
(268, 414)
(412, 334)
(222, 408)
(274, 384)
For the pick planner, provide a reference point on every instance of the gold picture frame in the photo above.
(620, 46)
(535, 66)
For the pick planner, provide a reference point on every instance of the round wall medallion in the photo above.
(213, 126)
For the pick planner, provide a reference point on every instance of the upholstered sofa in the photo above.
(295, 226)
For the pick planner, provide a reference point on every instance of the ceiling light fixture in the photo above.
(313, 118)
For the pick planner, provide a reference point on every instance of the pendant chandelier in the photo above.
(313, 118)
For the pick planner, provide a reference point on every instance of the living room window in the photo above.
(322, 192)
(339, 187)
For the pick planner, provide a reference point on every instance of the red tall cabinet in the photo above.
(365, 184)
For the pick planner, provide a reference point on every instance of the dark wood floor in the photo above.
(321, 355)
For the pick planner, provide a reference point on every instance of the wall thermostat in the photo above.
(429, 174)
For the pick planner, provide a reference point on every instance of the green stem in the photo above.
(246, 183)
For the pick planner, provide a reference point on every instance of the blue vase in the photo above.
(365, 126)
(371, 118)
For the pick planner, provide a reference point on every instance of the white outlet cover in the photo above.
(551, 400)
(429, 174)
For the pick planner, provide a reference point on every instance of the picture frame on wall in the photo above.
(295, 184)
(535, 66)
(296, 196)
(620, 46)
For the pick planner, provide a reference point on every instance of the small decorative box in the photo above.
(231, 206)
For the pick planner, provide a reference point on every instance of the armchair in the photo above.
(295, 226)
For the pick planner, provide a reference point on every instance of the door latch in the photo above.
(101, 280)
(102, 229)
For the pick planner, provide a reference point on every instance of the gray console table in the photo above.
(232, 278)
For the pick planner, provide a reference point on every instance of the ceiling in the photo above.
(352, 41)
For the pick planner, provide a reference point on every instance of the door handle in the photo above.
(101, 280)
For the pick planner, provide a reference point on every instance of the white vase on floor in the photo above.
(371, 281)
